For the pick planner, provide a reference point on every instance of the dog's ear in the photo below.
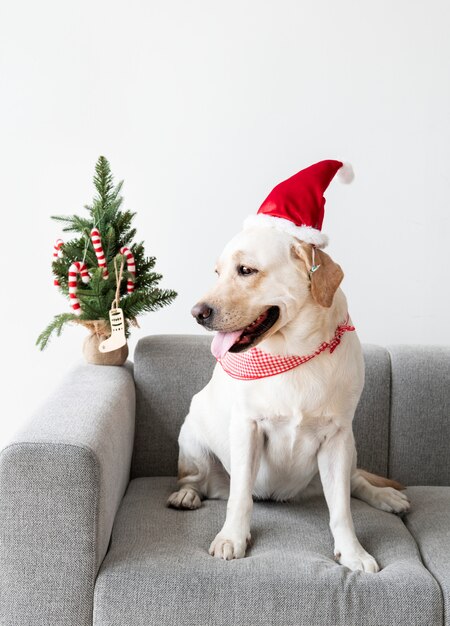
(325, 275)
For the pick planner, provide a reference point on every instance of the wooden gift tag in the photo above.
(117, 338)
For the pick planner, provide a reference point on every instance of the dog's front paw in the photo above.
(185, 498)
(225, 546)
(357, 560)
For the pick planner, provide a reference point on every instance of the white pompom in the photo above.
(346, 174)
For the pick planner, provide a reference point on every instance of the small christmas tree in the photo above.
(97, 267)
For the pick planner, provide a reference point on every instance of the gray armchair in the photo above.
(86, 538)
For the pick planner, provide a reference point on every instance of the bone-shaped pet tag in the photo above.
(117, 339)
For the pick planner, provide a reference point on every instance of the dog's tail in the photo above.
(380, 481)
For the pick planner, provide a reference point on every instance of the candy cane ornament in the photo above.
(57, 254)
(131, 267)
(76, 268)
(97, 243)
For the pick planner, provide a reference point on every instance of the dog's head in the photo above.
(265, 279)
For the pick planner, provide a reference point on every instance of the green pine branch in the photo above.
(145, 301)
(55, 327)
(103, 180)
(74, 224)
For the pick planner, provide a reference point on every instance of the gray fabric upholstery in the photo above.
(429, 524)
(371, 423)
(420, 415)
(158, 570)
(61, 482)
(170, 369)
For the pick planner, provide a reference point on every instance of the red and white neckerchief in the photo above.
(255, 363)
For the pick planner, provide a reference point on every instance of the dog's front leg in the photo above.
(246, 440)
(335, 459)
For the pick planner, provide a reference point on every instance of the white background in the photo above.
(202, 107)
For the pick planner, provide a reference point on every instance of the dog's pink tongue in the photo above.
(222, 342)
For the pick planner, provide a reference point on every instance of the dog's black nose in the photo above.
(201, 312)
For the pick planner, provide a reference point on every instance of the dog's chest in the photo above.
(289, 455)
(288, 436)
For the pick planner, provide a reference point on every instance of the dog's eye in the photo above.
(243, 270)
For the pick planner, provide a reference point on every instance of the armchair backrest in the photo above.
(401, 426)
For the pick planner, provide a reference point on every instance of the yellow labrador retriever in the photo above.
(273, 437)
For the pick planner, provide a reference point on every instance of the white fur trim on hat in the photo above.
(308, 234)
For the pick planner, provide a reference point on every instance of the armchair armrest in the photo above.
(61, 482)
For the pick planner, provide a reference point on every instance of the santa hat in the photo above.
(296, 205)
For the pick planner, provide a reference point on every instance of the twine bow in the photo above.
(115, 303)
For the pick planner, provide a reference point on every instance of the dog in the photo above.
(282, 435)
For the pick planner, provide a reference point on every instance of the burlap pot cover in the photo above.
(99, 331)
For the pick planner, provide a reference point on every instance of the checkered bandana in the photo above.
(255, 363)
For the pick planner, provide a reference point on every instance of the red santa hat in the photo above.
(296, 205)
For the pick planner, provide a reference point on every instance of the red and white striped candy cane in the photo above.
(57, 254)
(131, 267)
(97, 243)
(76, 268)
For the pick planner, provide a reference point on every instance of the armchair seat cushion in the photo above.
(158, 570)
(429, 523)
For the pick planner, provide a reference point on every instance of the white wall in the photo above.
(202, 108)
